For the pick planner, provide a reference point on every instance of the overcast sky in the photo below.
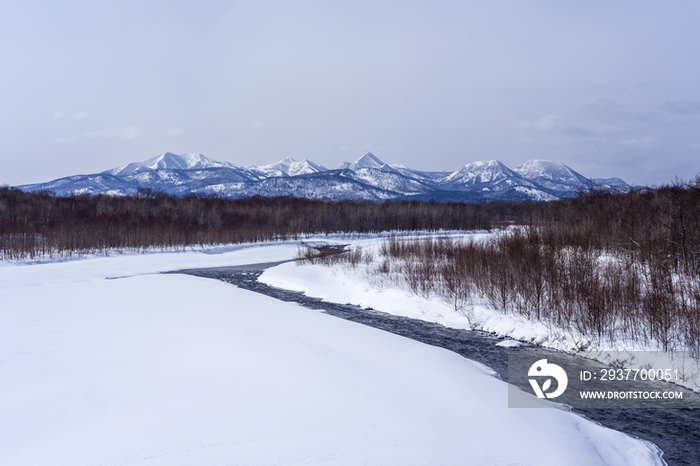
(609, 88)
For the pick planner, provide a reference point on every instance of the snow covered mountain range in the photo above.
(368, 178)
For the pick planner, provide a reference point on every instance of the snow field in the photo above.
(360, 286)
(176, 370)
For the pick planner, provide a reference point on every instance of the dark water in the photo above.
(675, 431)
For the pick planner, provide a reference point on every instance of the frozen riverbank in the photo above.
(371, 280)
(170, 369)
(675, 431)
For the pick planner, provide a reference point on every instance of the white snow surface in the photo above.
(342, 284)
(509, 344)
(481, 172)
(546, 169)
(169, 161)
(156, 369)
(194, 173)
(369, 160)
(288, 167)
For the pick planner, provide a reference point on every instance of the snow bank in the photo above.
(341, 283)
(175, 370)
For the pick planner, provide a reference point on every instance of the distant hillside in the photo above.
(368, 178)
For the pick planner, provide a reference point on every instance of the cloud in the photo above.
(76, 116)
(544, 123)
(683, 107)
(131, 132)
(616, 114)
(644, 141)
(80, 115)
(174, 132)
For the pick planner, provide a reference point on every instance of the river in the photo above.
(676, 431)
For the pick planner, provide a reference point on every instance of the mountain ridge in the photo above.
(368, 178)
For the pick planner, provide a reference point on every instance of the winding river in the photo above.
(675, 431)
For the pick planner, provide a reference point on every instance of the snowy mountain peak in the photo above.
(306, 166)
(538, 165)
(546, 169)
(487, 171)
(369, 160)
(282, 164)
(289, 167)
(169, 161)
(368, 178)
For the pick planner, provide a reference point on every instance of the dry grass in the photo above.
(521, 272)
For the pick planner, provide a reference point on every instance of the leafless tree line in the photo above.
(42, 224)
(608, 266)
(594, 293)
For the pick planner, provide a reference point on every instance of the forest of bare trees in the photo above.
(613, 267)
(34, 225)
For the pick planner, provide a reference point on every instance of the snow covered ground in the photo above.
(155, 369)
(342, 283)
